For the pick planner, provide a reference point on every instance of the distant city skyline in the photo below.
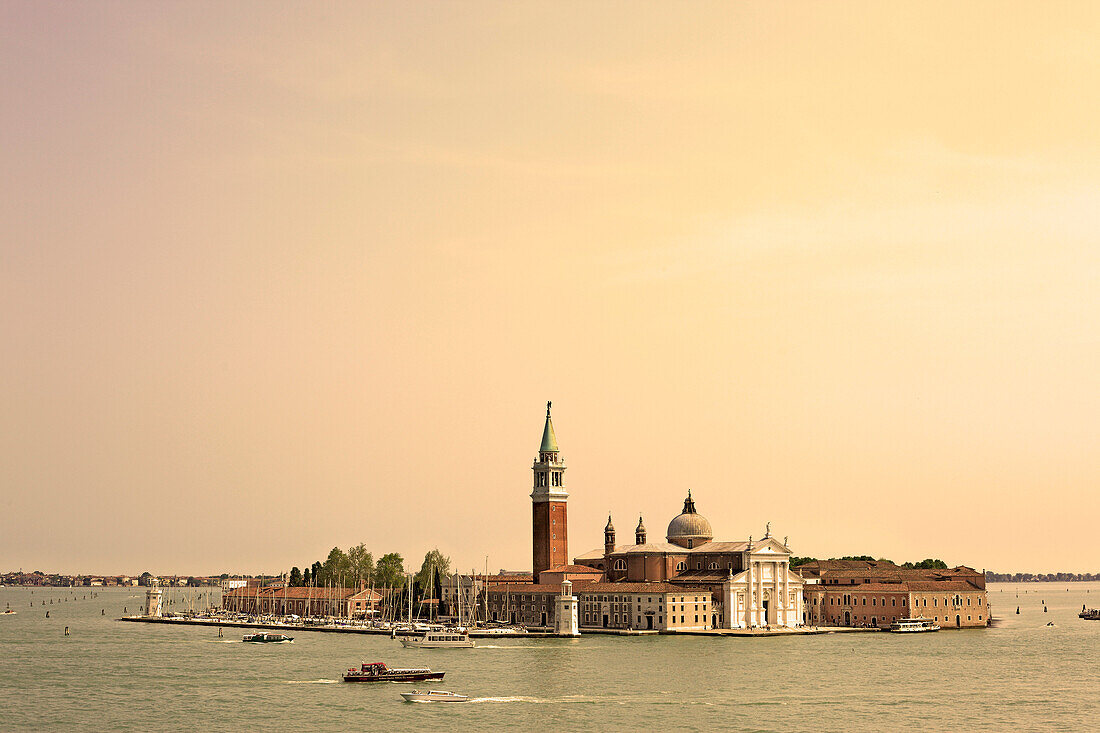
(274, 280)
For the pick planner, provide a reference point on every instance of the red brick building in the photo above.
(878, 592)
(298, 601)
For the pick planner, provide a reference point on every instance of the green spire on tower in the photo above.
(549, 440)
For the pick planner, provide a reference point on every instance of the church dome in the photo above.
(689, 529)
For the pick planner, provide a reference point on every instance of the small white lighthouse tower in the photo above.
(152, 601)
(565, 612)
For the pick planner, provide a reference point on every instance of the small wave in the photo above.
(312, 682)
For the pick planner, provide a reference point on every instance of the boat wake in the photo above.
(516, 646)
(537, 700)
(312, 682)
(506, 699)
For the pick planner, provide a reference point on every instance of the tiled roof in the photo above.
(939, 585)
(573, 569)
(597, 554)
(527, 588)
(664, 548)
(721, 547)
(919, 586)
(864, 588)
(701, 576)
(638, 588)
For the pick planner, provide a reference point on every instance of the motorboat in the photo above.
(265, 638)
(379, 672)
(503, 630)
(1090, 614)
(433, 696)
(444, 639)
(913, 626)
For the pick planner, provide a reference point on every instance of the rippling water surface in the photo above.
(108, 675)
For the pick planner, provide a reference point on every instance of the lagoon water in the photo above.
(107, 675)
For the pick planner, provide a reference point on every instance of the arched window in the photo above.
(714, 566)
(620, 564)
(681, 566)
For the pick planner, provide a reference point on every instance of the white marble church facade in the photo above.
(765, 593)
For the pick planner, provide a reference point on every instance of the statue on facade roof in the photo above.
(767, 530)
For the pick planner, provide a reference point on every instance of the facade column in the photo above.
(780, 602)
(786, 595)
(759, 590)
(750, 590)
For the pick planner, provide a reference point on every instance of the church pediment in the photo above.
(769, 546)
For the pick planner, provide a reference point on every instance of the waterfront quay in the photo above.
(489, 634)
(326, 628)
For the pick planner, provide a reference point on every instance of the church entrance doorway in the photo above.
(767, 616)
(605, 620)
(847, 618)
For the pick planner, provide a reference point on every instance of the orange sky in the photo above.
(277, 277)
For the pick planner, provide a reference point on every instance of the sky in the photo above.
(276, 277)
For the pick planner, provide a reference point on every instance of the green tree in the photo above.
(434, 567)
(927, 564)
(336, 567)
(796, 561)
(361, 564)
(389, 572)
(295, 579)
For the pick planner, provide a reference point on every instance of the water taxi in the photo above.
(379, 672)
(433, 696)
(913, 626)
(265, 638)
(444, 639)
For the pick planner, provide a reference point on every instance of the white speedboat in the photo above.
(266, 638)
(913, 626)
(433, 696)
(445, 639)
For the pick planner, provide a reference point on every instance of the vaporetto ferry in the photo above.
(913, 626)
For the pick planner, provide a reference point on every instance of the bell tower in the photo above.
(549, 527)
